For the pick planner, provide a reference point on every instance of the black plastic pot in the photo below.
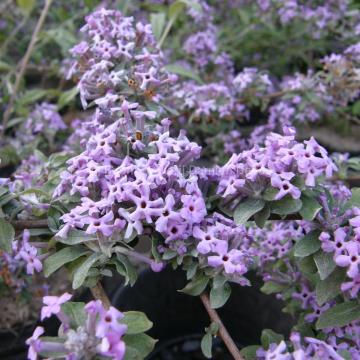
(12, 344)
(180, 318)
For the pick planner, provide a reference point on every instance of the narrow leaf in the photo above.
(157, 24)
(7, 234)
(81, 272)
(179, 70)
(62, 257)
(76, 237)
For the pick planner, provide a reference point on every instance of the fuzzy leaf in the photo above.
(206, 345)
(286, 205)
(81, 272)
(179, 70)
(76, 237)
(269, 336)
(62, 257)
(157, 24)
(26, 5)
(339, 315)
(138, 346)
(330, 287)
(196, 286)
(355, 198)
(261, 217)
(67, 96)
(246, 209)
(137, 322)
(7, 234)
(308, 245)
(310, 208)
(219, 296)
(131, 273)
(76, 312)
(272, 287)
(324, 263)
(249, 352)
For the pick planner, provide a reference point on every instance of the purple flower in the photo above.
(193, 209)
(109, 321)
(306, 296)
(53, 305)
(34, 343)
(275, 351)
(285, 188)
(351, 259)
(112, 346)
(353, 286)
(208, 242)
(232, 261)
(101, 224)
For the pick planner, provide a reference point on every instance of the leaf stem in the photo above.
(223, 333)
(29, 224)
(166, 31)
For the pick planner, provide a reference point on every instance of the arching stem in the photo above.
(223, 333)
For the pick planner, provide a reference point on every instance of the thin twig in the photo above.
(24, 63)
(99, 293)
(13, 34)
(224, 334)
(29, 224)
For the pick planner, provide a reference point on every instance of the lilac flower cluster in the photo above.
(308, 348)
(201, 46)
(100, 333)
(117, 57)
(27, 253)
(292, 286)
(28, 185)
(26, 175)
(228, 99)
(319, 17)
(297, 99)
(234, 142)
(43, 121)
(273, 242)
(153, 187)
(24, 260)
(342, 240)
(82, 129)
(276, 165)
(208, 102)
(219, 241)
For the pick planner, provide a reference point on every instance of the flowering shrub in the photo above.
(162, 157)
